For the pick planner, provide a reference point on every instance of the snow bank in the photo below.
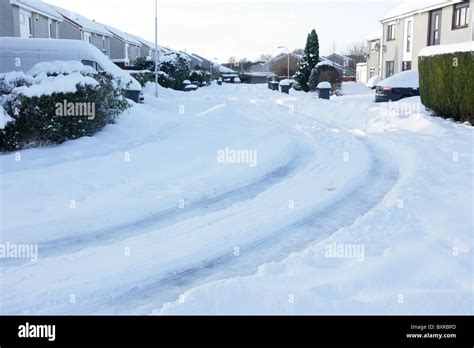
(405, 79)
(416, 244)
(467, 46)
(56, 84)
(61, 67)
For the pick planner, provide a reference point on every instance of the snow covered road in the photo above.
(145, 212)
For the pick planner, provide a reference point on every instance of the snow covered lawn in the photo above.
(238, 199)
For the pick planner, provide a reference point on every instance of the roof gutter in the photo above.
(32, 9)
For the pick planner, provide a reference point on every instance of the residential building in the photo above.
(77, 27)
(206, 63)
(28, 19)
(124, 48)
(147, 49)
(417, 24)
(341, 62)
(374, 44)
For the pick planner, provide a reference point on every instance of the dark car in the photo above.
(399, 86)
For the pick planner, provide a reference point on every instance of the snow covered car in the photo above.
(373, 81)
(21, 54)
(190, 88)
(237, 80)
(403, 85)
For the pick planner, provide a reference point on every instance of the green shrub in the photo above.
(447, 85)
(54, 118)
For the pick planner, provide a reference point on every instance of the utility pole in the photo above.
(156, 49)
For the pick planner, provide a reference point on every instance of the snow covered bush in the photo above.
(52, 104)
(145, 76)
(447, 84)
(203, 77)
(325, 72)
(174, 69)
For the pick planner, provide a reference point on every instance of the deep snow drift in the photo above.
(237, 199)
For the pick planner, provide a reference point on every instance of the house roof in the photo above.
(38, 7)
(375, 35)
(411, 7)
(146, 43)
(338, 55)
(82, 22)
(196, 57)
(123, 36)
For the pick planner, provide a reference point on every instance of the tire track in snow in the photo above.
(167, 217)
(341, 212)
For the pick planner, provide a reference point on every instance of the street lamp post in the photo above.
(288, 59)
(156, 49)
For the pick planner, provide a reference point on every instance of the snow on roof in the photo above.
(467, 46)
(405, 79)
(83, 22)
(325, 61)
(409, 7)
(197, 58)
(122, 35)
(146, 43)
(40, 7)
(225, 70)
(375, 35)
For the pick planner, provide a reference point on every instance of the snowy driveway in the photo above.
(147, 212)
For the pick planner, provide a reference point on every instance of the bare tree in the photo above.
(298, 51)
(280, 66)
(264, 57)
(232, 60)
(358, 52)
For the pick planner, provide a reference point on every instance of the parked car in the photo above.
(403, 85)
(190, 88)
(237, 80)
(21, 54)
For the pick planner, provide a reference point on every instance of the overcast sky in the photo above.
(246, 28)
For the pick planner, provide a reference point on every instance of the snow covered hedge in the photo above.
(49, 106)
(203, 77)
(447, 84)
(325, 72)
(173, 71)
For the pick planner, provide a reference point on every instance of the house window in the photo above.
(435, 28)
(409, 35)
(461, 15)
(391, 32)
(406, 65)
(30, 27)
(389, 68)
(52, 29)
(373, 44)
